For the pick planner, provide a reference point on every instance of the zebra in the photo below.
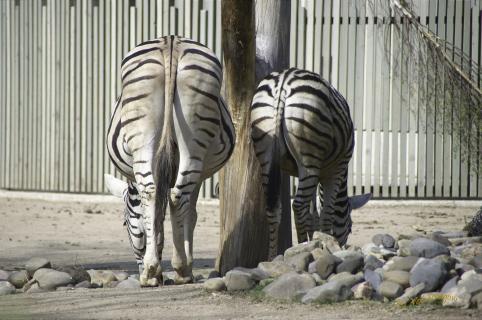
(301, 124)
(170, 130)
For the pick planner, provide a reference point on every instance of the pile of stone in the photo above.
(39, 276)
(440, 267)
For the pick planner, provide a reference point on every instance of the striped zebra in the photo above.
(302, 125)
(169, 131)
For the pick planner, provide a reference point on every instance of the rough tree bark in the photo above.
(244, 232)
(273, 54)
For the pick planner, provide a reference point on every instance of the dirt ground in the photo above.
(88, 230)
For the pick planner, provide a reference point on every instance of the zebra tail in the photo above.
(165, 165)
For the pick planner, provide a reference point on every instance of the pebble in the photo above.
(101, 277)
(49, 279)
(324, 265)
(275, 269)
(4, 275)
(351, 264)
(332, 291)
(299, 261)
(401, 263)
(6, 288)
(289, 285)
(385, 240)
(371, 262)
(390, 289)
(237, 280)
(432, 272)
(422, 247)
(256, 273)
(410, 294)
(214, 284)
(374, 278)
(18, 278)
(363, 290)
(129, 283)
(398, 276)
(36, 263)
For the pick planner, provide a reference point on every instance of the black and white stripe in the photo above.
(302, 125)
(170, 130)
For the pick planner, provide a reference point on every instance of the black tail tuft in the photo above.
(274, 177)
(165, 170)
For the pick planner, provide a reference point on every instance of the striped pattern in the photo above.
(169, 131)
(302, 125)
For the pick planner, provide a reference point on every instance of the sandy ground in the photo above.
(88, 230)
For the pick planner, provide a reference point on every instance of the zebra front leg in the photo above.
(304, 220)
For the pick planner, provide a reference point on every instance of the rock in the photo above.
(440, 239)
(471, 281)
(404, 247)
(430, 298)
(351, 264)
(49, 279)
(328, 242)
(332, 291)
(476, 261)
(432, 272)
(449, 284)
(289, 285)
(363, 290)
(275, 268)
(66, 288)
(83, 284)
(370, 248)
(214, 284)
(256, 273)
(101, 277)
(447, 261)
(238, 280)
(410, 294)
(36, 263)
(121, 275)
(427, 248)
(324, 265)
(129, 283)
(77, 273)
(317, 253)
(6, 288)
(111, 284)
(299, 261)
(401, 263)
(319, 281)
(469, 251)
(457, 297)
(265, 282)
(387, 253)
(398, 276)
(4, 275)
(214, 274)
(302, 247)
(476, 301)
(279, 257)
(385, 240)
(18, 278)
(344, 254)
(35, 288)
(390, 290)
(462, 268)
(347, 278)
(454, 234)
(374, 278)
(372, 262)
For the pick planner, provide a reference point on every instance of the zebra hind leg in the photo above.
(304, 218)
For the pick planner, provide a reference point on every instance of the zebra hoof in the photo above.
(183, 280)
(150, 276)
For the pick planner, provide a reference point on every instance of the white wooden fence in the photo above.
(59, 74)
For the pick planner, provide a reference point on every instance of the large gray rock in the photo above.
(347, 279)
(302, 247)
(256, 273)
(447, 261)
(427, 248)
(238, 280)
(404, 247)
(440, 239)
(328, 242)
(401, 263)
(374, 278)
(101, 278)
(6, 288)
(18, 278)
(35, 288)
(332, 291)
(471, 281)
(4, 275)
(410, 294)
(299, 261)
(449, 284)
(289, 285)
(214, 284)
(351, 264)
(36, 263)
(385, 240)
(275, 268)
(77, 273)
(431, 272)
(129, 283)
(372, 262)
(398, 276)
(363, 290)
(458, 297)
(324, 265)
(49, 279)
(390, 290)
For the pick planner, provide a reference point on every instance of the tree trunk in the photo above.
(244, 232)
(273, 54)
